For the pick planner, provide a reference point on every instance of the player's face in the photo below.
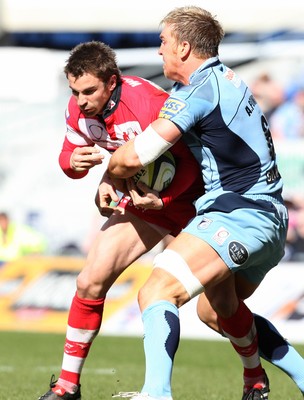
(91, 93)
(169, 50)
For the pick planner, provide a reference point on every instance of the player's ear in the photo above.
(185, 49)
(112, 82)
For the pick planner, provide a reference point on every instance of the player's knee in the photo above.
(147, 295)
(157, 287)
(204, 310)
(82, 283)
(88, 288)
(207, 315)
(173, 263)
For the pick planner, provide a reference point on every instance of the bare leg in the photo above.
(122, 240)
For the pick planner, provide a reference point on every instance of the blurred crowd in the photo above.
(294, 250)
(284, 109)
(283, 106)
(19, 240)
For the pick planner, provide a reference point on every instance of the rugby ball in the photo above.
(159, 174)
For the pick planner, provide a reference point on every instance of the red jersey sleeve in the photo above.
(187, 174)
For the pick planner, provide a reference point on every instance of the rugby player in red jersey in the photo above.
(105, 110)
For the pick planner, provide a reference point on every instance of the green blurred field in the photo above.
(203, 369)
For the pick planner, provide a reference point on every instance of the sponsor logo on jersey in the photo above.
(111, 104)
(130, 134)
(171, 108)
(238, 253)
(97, 131)
(220, 235)
(127, 130)
(232, 77)
(204, 224)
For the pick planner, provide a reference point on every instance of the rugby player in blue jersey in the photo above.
(240, 229)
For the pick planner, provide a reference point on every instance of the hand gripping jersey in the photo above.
(227, 132)
(134, 104)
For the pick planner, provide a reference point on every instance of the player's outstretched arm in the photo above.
(145, 148)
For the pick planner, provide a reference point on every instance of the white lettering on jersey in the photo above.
(132, 82)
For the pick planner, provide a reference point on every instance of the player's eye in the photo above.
(88, 92)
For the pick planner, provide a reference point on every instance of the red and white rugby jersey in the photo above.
(133, 106)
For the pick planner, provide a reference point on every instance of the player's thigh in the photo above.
(121, 240)
(202, 260)
(182, 271)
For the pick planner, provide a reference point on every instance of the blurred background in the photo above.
(264, 44)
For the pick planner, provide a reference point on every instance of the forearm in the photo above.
(136, 153)
(124, 162)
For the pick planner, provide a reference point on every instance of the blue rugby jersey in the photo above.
(226, 130)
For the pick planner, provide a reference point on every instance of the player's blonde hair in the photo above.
(196, 26)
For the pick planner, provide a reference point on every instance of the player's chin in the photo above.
(89, 113)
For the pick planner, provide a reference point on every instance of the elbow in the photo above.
(115, 171)
(73, 174)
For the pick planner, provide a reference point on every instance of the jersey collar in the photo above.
(209, 63)
(113, 102)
